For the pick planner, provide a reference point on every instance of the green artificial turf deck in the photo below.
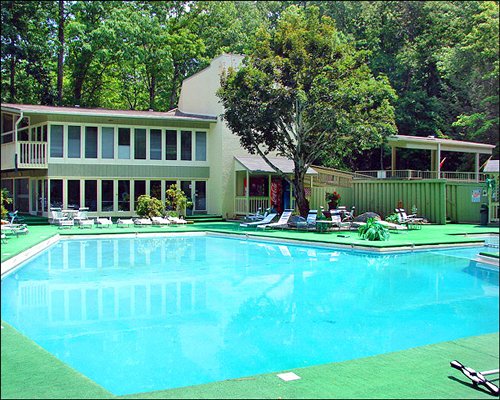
(28, 371)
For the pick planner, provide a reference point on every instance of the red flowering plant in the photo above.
(332, 197)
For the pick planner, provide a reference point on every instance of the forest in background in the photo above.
(441, 57)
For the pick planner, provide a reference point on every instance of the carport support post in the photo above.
(247, 194)
(477, 167)
(393, 159)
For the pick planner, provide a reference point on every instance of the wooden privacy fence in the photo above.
(382, 197)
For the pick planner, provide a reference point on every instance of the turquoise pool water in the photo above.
(145, 314)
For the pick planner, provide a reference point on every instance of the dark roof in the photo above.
(172, 114)
(257, 164)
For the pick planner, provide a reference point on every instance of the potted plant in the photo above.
(148, 207)
(333, 200)
(372, 230)
(177, 201)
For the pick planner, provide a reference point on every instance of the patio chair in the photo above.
(176, 220)
(14, 229)
(15, 218)
(124, 223)
(159, 221)
(266, 220)
(66, 223)
(103, 222)
(57, 216)
(405, 219)
(310, 222)
(258, 216)
(142, 222)
(81, 215)
(338, 221)
(282, 222)
(4, 238)
(477, 378)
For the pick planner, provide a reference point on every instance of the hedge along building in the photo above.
(71, 157)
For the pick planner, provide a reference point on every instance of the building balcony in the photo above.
(24, 155)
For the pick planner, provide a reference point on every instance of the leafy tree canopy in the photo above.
(304, 91)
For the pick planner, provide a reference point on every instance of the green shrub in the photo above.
(372, 230)
(176, 200)
(392, 218)
(4, 200)
(149, 206)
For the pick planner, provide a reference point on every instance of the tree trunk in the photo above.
(301, 201)
(60, 53)
(152, 93)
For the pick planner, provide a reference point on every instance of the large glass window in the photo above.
(7, 122)
(124, 143)
(56, 141)
(123, 195)
(91, 195)
(200, 199)
(155, 144)
(21, 194)
(139, 190)
(56, 193)
(201, 146)
(140, 144)
(186, 139)
(186, 188)
(74, 194)
(91, 142)
(171, 144)
(107, 195)
(74, 142)
(108, 143)
(155, 189)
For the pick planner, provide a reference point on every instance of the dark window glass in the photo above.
(171, 144)
(186, 139)
(91, 142)
(155, 144)
(56, 141)
(107, 195)
(91, 195)
(140, 144)
(74, 142)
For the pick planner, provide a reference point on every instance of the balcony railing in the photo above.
(32, 155)
(415, 174)
(240, 204)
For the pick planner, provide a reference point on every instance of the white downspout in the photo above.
(16, 156)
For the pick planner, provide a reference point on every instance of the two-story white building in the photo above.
(103, 159)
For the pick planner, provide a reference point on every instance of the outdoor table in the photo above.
(70, 213)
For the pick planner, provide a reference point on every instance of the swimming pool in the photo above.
(144, 314)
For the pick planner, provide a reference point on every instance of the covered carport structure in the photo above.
(436, 146)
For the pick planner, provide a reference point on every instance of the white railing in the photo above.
(416, 174)
(240, 204)
(32, 155)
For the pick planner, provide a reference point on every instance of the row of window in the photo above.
(116, 195)
(127, 143)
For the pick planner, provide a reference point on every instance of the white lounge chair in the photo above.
(310, 221)
(103, 222)
(14, 229)
(405, 218)
(176, 220)
(282, 222)
(124, 222)
(160, 221)
(142, 222)
(265, 221)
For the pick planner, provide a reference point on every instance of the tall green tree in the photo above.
(305, 91)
